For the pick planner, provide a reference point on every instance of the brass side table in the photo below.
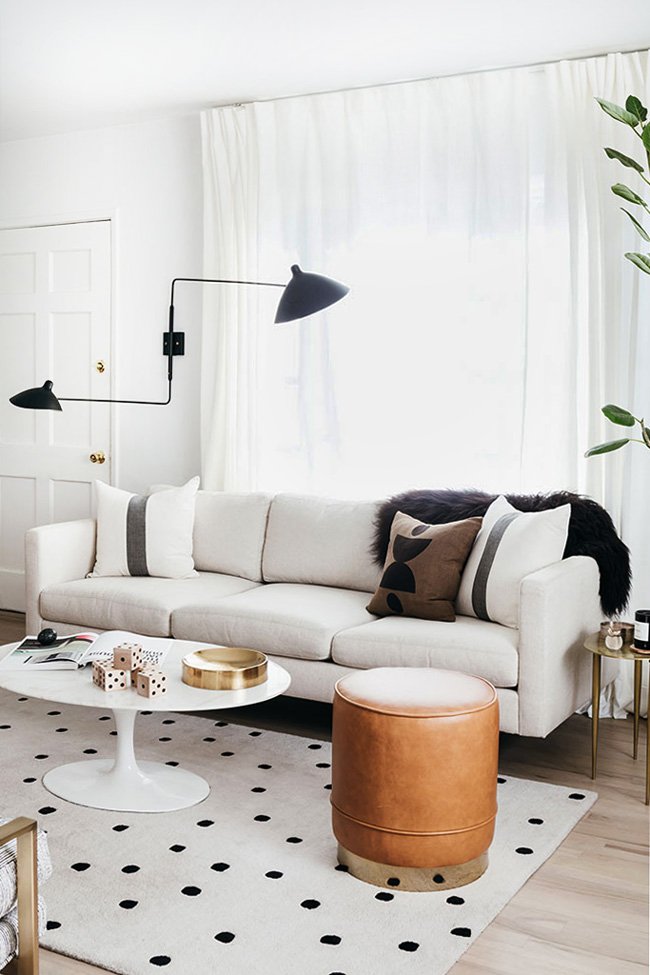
(595, 644)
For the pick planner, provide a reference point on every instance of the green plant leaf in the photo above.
(644, 233)
(622, 158)
(645, 137)
(606, 448)
(640, 261)
(634, 107)
(646, 436)
(624, 191)
(618, 113)
(619, 415)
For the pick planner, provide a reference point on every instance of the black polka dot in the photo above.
(409, 946)
(576, 795)
(455, 900)
(128, 905)
(328, 786)
(438, 878)
(5, 727)
(165, 738)
(254, 734)
(169, 721)
(120, 827)
(500, 780)
(41, 757)
(393, 881)
(53, 925)
(265, 766)
(52, 713)
(173, 764)
(80, 867)
(177, 848)
(146, 713)
(130, 868)
(309, 904)
(90, 751)
(524, 850)
(191, 891)
(21, 699)
(159, 960)
(384, 895)
(330, 939)
(209, 739)
(113, 733)
(107, 717)
(462, 932)
(274, 874)
(536, 822)
(323, 765)
(293, 839)
(221, 724)
(220, 867)
(258, 788)
(227, 754)
(225, 937)
(261, 819)
(205, 823)
(314, 747)
(342, 868)
(47, 810)
(60, 731)
(30, 779)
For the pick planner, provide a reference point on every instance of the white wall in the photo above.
(147, 178)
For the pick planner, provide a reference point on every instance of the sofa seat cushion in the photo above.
(142, 604)
(469, 645)
(287, 619)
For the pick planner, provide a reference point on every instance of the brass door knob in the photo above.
(98, 458)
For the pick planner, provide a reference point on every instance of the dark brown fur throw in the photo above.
(591, 531)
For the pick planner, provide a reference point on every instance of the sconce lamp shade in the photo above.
(37, 398)
(306, 293)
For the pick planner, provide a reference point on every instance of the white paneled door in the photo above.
(55, 323)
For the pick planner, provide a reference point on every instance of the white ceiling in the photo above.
(77, 64)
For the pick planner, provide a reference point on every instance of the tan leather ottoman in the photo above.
(414, 776)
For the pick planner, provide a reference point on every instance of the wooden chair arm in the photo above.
(24, 831)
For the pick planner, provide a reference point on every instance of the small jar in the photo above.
(613, 638)
(642, 629)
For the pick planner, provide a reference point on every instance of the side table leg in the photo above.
(595, 713)
(637, 704)
(647, 756)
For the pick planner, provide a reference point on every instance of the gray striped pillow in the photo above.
(510, 545)
(145, 535)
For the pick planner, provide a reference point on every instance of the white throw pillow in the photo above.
(141, 535)
(510, 545)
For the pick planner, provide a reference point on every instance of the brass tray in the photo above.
(225, 668)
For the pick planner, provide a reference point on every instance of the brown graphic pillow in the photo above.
(423, 567)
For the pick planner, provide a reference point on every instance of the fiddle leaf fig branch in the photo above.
(635, 116)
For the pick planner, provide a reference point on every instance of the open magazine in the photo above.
(79, 649)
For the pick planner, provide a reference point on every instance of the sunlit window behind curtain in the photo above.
(428, 200)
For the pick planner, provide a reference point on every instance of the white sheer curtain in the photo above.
(491, 312)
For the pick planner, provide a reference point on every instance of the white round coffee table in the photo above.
(125, 784)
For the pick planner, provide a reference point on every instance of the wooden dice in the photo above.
(110, 678)
(151, 682)
(128, 656)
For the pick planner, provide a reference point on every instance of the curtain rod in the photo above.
(411, 81)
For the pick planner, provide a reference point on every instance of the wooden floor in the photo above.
(585, 911)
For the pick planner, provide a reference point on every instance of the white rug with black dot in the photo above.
(245, 883)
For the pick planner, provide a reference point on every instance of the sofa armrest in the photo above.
(559, 608)
(56, 553)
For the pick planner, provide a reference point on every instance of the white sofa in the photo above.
(291, 575)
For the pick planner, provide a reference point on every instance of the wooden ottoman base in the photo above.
(412, 878)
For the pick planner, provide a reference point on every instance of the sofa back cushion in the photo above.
(229, 533)
(320, 541)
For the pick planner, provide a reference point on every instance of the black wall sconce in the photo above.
(305, 294)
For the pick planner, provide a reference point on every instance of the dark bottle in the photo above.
(642, 629)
